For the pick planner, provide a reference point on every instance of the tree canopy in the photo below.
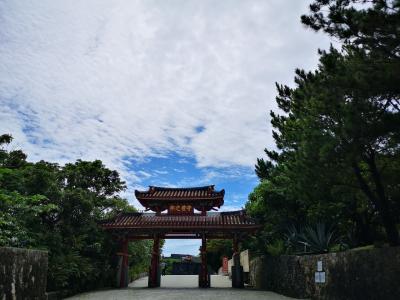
(216, 250)
(337, 135)
(57, 208)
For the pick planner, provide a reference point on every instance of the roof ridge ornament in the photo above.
(167, 188)
(211, 189)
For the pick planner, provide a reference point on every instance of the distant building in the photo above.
(179, 256)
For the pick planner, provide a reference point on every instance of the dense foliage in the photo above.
(169, 264)
(337, 161)
(216, 250)
(57, 208)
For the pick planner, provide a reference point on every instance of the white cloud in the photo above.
(144, 174)
(123, 80)
(231, 208)
(161, 172)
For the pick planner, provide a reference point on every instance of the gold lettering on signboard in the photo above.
(180, 209)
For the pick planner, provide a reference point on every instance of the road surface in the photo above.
(181, 287)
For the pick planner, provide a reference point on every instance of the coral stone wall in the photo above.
(23, 273)
(284, 274)
(362, 274)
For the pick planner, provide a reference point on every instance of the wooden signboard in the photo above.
(183, 209)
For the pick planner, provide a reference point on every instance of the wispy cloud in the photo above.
(130, 81)
(111, 79)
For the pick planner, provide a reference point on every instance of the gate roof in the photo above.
(182, 223)
(231, 220)
(196, 196)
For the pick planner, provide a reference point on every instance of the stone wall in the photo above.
(23, 273)
(362, 274)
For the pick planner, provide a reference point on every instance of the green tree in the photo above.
(216, 249)
(368, 76)
(58, 208)
(371, 25)
(338, 131)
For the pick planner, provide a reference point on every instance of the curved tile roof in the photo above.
(160, 197)
(166, 193)
(237, 219)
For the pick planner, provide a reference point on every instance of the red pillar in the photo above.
(154, 274)
(123, 273)
(203, 276)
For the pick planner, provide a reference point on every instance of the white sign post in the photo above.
(322, 277)
(319, 266)
(319, 275)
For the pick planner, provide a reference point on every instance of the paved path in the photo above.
(184, 281)
(181, 287)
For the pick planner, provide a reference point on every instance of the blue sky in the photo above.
(167, 92)
(179, 171)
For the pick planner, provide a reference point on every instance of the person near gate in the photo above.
(163, 268)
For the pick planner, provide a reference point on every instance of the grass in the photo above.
(362, 248)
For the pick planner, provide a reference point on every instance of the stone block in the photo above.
(363, 274)
(23, 273)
